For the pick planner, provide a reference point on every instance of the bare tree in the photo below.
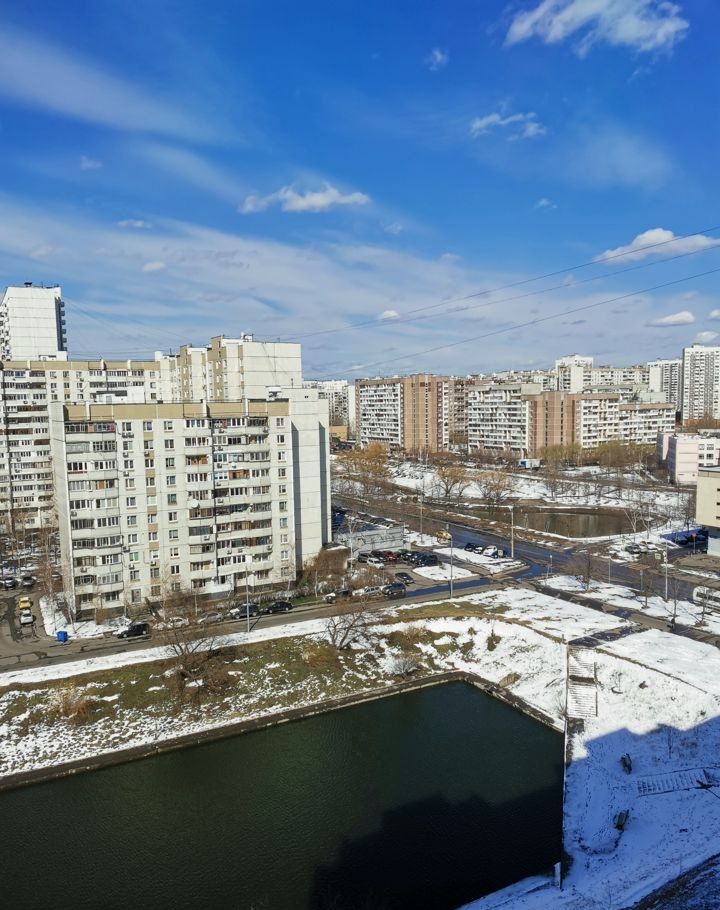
(494, 487)
(352, 624)
(451, 477)
(584, 568)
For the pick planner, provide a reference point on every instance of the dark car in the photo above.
(430, 559)
(27, 581)
(472, 547)
(135, 630)
(405, 578)
(279, 606)
(362, 557)
(332, 596)
(241, 610)
(394, 590)
(9, 583)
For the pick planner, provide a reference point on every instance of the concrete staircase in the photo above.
(691, 779)
(581, 683)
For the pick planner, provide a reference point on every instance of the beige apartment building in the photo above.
(401, 412)
(683, 454)
(153, 498)
(707, 509)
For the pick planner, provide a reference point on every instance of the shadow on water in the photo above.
(434, 854)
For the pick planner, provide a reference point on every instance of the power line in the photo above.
(563, 271)
(537, 320)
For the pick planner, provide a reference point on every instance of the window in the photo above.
(152, 535)
(284, 538)
(147, 426)
(283, 522)
(167, 426)
(173, 534)
(155, 591)
(283, 505)
(172, 516)
(132, 521)
(284, 554)
(134, 556)
(281, 456)
(169, 443)
(135, 596)
(174, 552)
(172, 499)
(282, 488)
(130, 502)
(132, 538)
(175, 570)
(126, 426)
(282, 473)
(170, 480)
(169, 462)
(279, 421)
(281, 439)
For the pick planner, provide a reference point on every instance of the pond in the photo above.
(574, 524)
(422, 800)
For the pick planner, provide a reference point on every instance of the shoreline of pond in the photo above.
(224, 731)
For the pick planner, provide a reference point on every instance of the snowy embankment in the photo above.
(684, 612)
(657, 696)
(490, 565)
(55, 620)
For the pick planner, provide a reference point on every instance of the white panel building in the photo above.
(700, 382)
(32, 323)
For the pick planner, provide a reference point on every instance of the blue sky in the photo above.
(325, 171)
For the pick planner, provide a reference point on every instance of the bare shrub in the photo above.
(347, 627)
(493, 640)
(73, 704)
(403, 665)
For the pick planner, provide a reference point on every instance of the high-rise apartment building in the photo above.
(340, 396)
(665, 379)
(401, 412)
(700, 387)
(32, 323)
(498, 416)
(152, 498)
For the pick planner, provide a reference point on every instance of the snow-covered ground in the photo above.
(658, 701)
(420, 540)
(685, 612)
(490, 565)
(443, 572)
(54, 621)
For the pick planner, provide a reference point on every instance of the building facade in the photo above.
(152, 498)
(700, 387)
(683, 454)
(32, 323)
(707, 509)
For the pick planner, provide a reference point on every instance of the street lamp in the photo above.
(512, 531)
(247, 595)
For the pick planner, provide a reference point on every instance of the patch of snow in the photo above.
(491, 565)
(442, 573)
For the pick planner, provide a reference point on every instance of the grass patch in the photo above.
(439, 611)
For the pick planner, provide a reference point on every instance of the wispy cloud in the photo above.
(436, 60)
(89, 164)
(684, 317)
(38, 75)
(544, 203)
(705, 337)
(155, 266)
(658, 242)
(393, 228)
(193, 169)
(643, 25)
(136, 223)
(388, 315)
(612, 155)
(290, 200)
(519, 126)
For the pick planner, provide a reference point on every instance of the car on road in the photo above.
(24, 603)
(26, 617)
(394, 590)
(405, 578)
(332, 596)
(211, 616)
(172, 622)
(376, 563)
(134, 630)
(472, 547)
(27, 581)
(369, 592)
(10, 583)
(279, 606)
(242, 611)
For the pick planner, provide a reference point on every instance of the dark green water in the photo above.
(424, 800)
(574, 524)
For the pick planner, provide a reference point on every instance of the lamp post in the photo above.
(512, 531)
(451, 557)
(549, 569)
(247, 596)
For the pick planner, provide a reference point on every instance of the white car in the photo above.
(376, 563)
(173, 622)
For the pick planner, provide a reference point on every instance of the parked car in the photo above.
(134, 630)
(394, 590)
(362, 557)
(405, 578)
(27, 581)
(390, 556)
(242, 611)
(211, 616)
(26, 617)
(405, 555)
(332, 596)
(24, 603)
(633, 548)
(490, 551)
(9, 583)
(376, 563)
(429, 559)
(369, 592)
(471, 547)
(279, 606)
(172, 622)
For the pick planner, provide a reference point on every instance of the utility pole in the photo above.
(512, 531)
(447, 526)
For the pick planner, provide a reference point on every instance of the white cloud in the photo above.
(135, 223)
(658, 242)
(684, 317)
(38, 75)
(436, 60)
(705, 337)
(42, 252)
(388, 315)
(193, 169)
(643, 25)
(394, 228)
(610, 155)
(155, 266)
(449, 257)
(714, 314)
(290, 200)
(523, 126)
(545, 204)
(89, 164)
